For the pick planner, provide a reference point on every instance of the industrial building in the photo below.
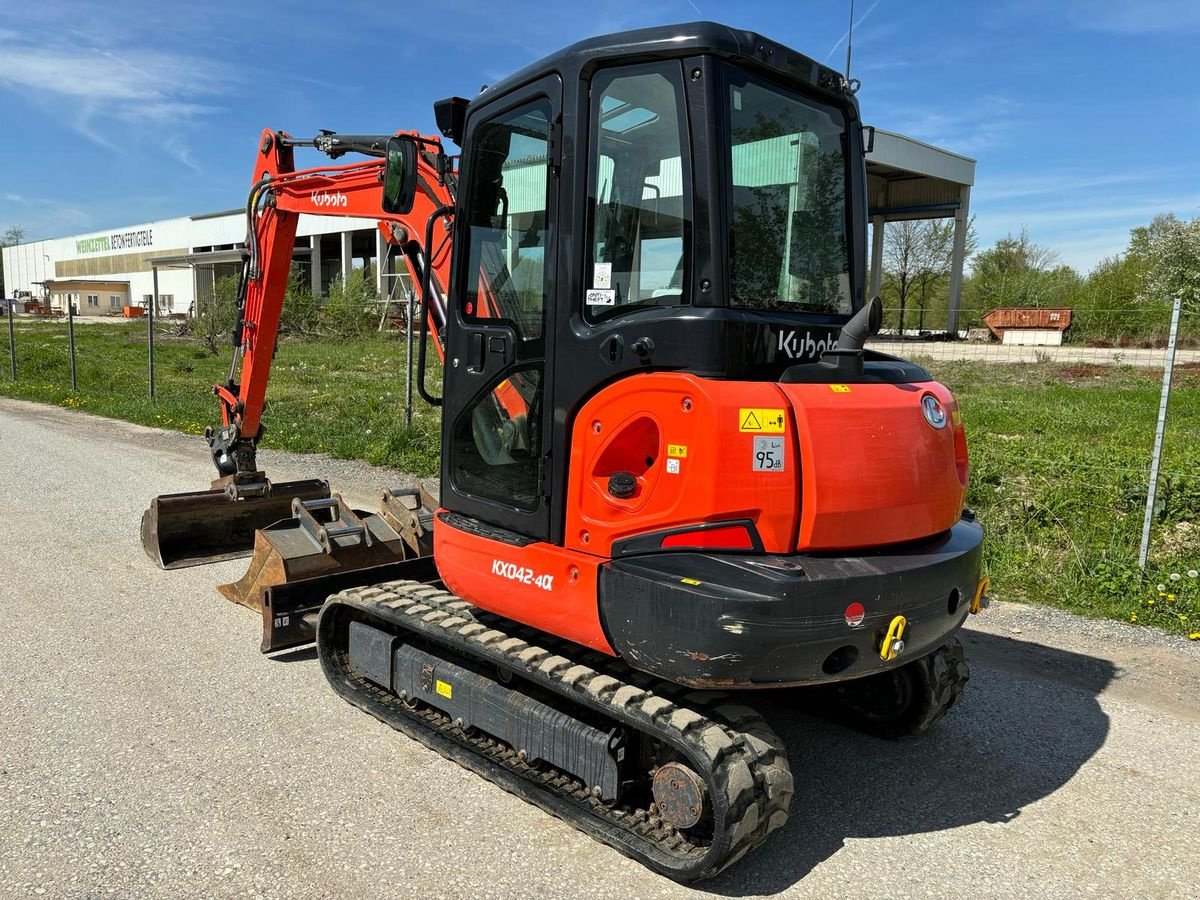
(103, 273)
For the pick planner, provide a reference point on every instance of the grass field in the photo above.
(1059, 454)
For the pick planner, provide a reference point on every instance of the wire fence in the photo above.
(1065, 421)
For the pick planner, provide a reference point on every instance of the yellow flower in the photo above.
(1133, 617)
(1170, 596)
(1150, 601)
(1194, 636)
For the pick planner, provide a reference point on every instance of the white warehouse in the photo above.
(104, 272)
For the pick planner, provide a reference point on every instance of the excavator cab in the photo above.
(683, 199)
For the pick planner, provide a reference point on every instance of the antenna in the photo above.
(849, 36)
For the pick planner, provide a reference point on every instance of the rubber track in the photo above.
(731, 746)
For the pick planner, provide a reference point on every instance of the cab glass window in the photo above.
(506, 221)
(639, 192)
(788, 224)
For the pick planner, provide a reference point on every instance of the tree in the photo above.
(13, 235)
(1018, 272)
(216, 314)
(1170, 250)
(918, 256)
(901, 249)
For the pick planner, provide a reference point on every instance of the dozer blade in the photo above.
(199, 527)
(323, 537)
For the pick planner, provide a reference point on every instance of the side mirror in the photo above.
(868, 139)
(399, 175)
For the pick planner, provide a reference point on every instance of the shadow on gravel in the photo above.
(1029, 720)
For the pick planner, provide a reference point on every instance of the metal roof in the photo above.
(212, 258)
(909, 179)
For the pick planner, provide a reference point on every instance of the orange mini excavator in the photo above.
(670, 468)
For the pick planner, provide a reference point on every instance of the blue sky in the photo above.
(1084, 114)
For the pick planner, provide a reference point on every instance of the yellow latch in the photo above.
(893, 641)
(980, 601)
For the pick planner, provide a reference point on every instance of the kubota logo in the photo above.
(794, 346)
(324, 198)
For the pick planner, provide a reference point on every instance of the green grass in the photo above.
(342, 398)
(1060, 460)
(1059, 454)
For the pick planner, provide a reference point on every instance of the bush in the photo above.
(300, 314)
(216, 315)
(352, 308)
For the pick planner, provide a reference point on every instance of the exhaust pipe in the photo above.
(863, 325)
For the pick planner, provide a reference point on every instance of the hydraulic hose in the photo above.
(426, 290)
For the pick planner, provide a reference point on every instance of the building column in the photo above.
(381, 255)
(314, 264)
(961, 219)
(877, 226)
(347, 259)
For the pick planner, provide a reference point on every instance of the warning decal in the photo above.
(679, 450)
(840, 388)
(762, 421)
(445, 689)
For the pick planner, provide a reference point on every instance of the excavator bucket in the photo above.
(199, 527)
(323, 537)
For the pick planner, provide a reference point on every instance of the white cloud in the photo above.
(967, 128)
(103, 92)
(1135, 17)
(998, 188)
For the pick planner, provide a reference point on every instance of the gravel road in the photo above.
(148, 750)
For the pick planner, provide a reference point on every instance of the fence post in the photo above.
(1160, 427)
(408, 357)
(71, 339)
(150, 327)
(12, 346)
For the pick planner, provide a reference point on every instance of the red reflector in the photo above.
(855, 614)
(726, 537)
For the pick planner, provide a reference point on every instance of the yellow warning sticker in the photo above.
(691, 581)
(445, 689)
(840, 388)
(762, 421)
(679, 451)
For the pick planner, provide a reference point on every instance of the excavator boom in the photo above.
(220, 523)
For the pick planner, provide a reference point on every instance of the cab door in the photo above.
(496, 415)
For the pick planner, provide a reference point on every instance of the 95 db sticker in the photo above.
(769, 455)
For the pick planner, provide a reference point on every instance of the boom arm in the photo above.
(279, 194)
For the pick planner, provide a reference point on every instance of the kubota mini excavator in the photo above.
(669, 466)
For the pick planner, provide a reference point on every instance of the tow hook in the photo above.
(893, 642)
(980, 601)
